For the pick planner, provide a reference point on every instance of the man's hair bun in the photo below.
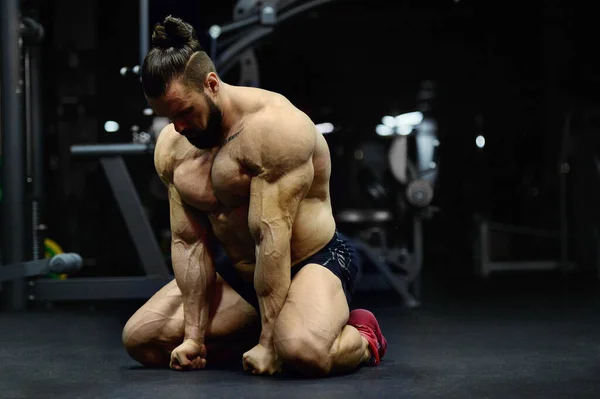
(174, 33)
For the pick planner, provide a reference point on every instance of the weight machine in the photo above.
(409, 202)
(24, 280)
(22, 154)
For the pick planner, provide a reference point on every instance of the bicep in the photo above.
(188, 226)
(284, 155)
(274, 201)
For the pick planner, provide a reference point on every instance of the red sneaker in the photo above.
(367, 325)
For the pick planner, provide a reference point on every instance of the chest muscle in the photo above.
(213, 183)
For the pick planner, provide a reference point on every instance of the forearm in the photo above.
(195, 276)
(272, 282)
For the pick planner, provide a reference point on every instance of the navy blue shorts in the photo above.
(338, 255)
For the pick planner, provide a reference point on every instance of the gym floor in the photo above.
(502, 342)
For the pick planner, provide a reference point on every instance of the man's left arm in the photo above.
(273, 206)
(285, 177)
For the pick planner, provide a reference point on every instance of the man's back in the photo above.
(266, 141)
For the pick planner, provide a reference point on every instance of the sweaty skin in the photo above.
(263, 194)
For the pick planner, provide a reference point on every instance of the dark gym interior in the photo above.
(465, 166)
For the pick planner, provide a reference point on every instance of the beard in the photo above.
(212, 135)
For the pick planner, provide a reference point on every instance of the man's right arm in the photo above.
(193, 265)
(191, 258)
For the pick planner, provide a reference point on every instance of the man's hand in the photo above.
(260, 360)
(190, 355)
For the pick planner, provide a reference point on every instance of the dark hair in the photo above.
(175, 52)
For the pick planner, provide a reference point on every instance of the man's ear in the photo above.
(212, 83)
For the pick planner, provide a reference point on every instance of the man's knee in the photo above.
(143, 347)
(304, 354)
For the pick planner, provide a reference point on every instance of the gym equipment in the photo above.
(58, 264)
(485, 264)
(487, 229)
(13, 170)
(144, 39)
(247, 14)
(147, 247)
(33, 34)
(415, 176)
(419, 193)
(21, 176)
(17, 170)
(152, 260)
(397, 268)
(128, 200)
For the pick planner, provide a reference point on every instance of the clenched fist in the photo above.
(190, 355)
(260, 360)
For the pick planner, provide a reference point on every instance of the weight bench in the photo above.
(396, 267)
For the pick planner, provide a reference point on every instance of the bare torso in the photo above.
(217, 182)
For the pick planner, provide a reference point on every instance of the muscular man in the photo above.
(256, 255)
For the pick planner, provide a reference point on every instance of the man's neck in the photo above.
(233, 111)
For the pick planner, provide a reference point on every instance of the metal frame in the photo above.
(109, 150)
(383, 258)
(35, 141)
(144, 39)
(137, 222)
(563, 170)
(13, 167)
(96, 288)
(486, 265)
(247, 13)
(144, 20)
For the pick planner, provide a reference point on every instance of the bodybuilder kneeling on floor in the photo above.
(260, 270)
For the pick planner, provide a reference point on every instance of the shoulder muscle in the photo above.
(281, 142)
(163, 154)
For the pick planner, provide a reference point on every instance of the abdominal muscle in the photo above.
(313, 228)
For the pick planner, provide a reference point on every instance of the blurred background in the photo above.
(462, 134)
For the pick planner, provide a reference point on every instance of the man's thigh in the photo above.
(315, 311)
(159, 323)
